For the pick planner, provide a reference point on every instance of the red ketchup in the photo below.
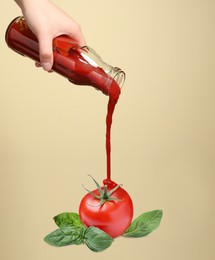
(80, 65)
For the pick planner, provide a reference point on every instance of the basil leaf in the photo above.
(144, 224)
(66, 236)
(68, 219)
(97, 240)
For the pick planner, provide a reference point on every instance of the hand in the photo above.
(48, 21)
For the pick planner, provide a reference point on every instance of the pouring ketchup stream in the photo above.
(72, 62)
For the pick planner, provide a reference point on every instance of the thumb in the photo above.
(46, 52)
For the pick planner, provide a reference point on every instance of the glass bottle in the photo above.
(80, 65)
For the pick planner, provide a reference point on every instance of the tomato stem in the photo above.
(104, 195)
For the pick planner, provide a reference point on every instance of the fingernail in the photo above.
(46, 66)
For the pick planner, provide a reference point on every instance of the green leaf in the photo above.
(66, 236)
(68, 219)
(97, 240)
(144, 224)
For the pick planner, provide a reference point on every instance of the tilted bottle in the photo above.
(80, 65)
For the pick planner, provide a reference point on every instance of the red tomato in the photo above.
(111, 212)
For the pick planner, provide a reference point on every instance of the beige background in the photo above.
(52, 132)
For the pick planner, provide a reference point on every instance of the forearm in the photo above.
(28, 4)
(23, 3)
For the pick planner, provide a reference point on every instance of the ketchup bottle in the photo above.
(80, 65)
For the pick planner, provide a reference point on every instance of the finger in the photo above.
(38, 65)
(46, 52)
(77, 35)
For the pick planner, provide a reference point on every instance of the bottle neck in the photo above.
(95, 60)
(118, 75)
